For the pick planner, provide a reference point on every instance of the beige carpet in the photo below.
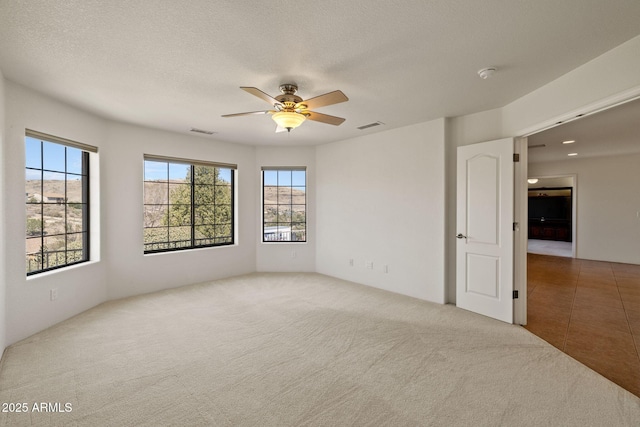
(299, 350)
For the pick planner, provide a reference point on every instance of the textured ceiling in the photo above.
(177, 65)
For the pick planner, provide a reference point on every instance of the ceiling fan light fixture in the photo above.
(288, 119)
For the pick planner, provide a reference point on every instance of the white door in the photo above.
(484, 248)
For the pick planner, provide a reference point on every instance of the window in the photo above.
(187, 204)
(284, 204)
(57, 202)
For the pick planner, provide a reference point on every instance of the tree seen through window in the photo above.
(187, 206)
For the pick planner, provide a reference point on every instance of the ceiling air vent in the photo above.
(206, 132)
(370, 125)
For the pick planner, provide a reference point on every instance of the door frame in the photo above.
(520, 235)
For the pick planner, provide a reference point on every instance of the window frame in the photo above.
(291, 223)
(84, 175)
(192, 164)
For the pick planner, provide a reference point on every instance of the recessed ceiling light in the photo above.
(571, 141)
(572, 154)
(532, 180)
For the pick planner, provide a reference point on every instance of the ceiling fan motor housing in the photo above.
(288, 94)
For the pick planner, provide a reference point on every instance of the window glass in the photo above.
(53, 156)
(155, 171)
(284, 205)
(57, 205)
(187, 206)
(74, 161)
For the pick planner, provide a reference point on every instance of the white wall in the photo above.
(131, 272)
(612, 77)
(380, 199)
(3, 240)
(607, 77)
(29, 308)
(287, 256)
(608, 226)
(118, 267)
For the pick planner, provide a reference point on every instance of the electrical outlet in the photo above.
(369, 265)
(351, 262)
(385, 268)
(293, 254)
(53, 294)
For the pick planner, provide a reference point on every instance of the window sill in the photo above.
(61, 270)
(284, 243)
(178, 251)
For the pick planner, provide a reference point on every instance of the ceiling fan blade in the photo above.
(325, 118)
(251, 113)
(260, 94)
(330, 98)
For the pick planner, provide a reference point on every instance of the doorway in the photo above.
(586, 305)
(552, 215)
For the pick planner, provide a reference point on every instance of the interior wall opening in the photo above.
(551, 222)
(582, 304)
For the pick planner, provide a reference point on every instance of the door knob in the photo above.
(461, 236)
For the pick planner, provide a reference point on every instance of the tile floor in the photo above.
(589, 310)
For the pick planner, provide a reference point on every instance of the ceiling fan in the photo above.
(290, 110)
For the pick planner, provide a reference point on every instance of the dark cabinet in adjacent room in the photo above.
(550, 213)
